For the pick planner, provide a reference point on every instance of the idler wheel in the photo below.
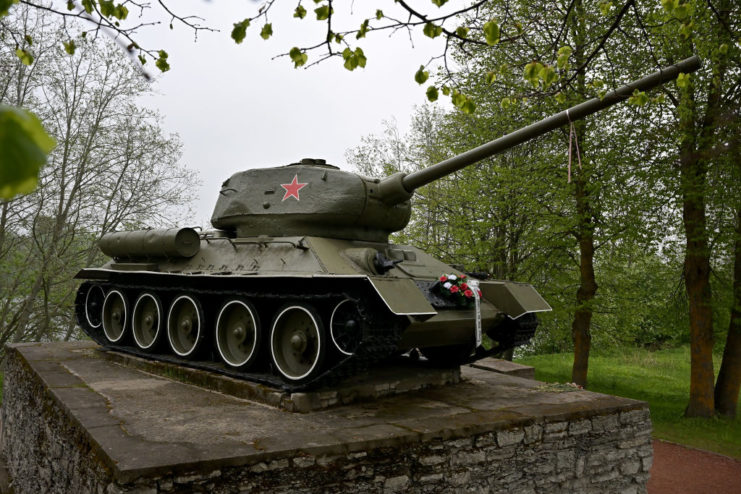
(115, 315)
(146, 320)
(346, 327)
(184, 323)
(94, 305)
(238, 333)
(297, 342)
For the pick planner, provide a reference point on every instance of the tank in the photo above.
(297, 285)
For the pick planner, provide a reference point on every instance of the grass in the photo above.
(662, 379)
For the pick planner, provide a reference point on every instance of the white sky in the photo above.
(235, 108)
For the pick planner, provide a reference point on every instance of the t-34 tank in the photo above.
(298, 285)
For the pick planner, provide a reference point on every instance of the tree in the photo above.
(113, 168)
(700, 112)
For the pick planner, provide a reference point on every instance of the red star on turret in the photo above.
(293, 188)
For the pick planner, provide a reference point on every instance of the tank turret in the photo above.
(298, 286)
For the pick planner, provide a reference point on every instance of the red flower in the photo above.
(454, 289)
(463, 276)
(464, 286)
(468, 293)
(479, 292)
(443, 278)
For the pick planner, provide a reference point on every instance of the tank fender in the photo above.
(512, 298)
(403, 297)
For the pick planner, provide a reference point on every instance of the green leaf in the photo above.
(338, 38)
(685, 30)
(299, 58)
(446, 90)
(439, 3)
(532, 72)
(457, 98)
(491, 32)
(28, 39)
(142, 60)
(5, 6)
(353, 59)
(669, 5)
(69, 46)
(70, 5)
(432, 93)
(604, 7)
(267, 31)
(300, 12)
(463, 102)
(379, 14)
(548, 75)
(106, 7)
(491, 76)
(421, 75)
(683, 80)
(161, 62)
(462, 32)
(25, 55)
(88, 6)
(432, 31)
(323, 12)
(505, 103)
(361, 57)
(121, 12)
(723, 49)
(563, 57)
(683, 11)
(638, 98)
(240, 30)
(560, 97)
(25, 145)
(363, 29)
(468, 106)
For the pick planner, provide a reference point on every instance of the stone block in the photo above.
(505, 367)
(506, 438)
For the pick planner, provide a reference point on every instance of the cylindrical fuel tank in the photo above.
(173, 242)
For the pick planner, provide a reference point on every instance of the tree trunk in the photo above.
(729, 377)
(693, 173)
(580, 328)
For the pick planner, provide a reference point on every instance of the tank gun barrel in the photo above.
(400, 187)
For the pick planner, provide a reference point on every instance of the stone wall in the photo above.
(48, 451)
(44, 450)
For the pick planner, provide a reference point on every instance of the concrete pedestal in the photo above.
(76, 422)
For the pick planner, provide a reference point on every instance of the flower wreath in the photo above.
(456, 288)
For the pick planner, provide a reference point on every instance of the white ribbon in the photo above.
(474, 286)
(572, 137)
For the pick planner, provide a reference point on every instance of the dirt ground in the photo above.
(680, 470)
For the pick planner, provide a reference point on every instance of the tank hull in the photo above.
(331, 285)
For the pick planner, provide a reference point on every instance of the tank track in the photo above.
(380, 339)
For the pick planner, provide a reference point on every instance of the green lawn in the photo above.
(662, 379)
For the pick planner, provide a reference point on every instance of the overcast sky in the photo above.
(235, 108)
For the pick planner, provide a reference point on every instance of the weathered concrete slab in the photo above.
(505, 367)
(76, 422)
(398, 377)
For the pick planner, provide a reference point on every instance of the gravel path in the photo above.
(680, 470)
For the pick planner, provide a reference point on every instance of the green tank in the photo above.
(297, 285)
